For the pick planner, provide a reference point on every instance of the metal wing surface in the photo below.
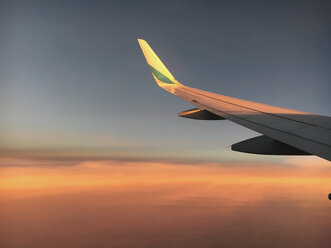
(285, 131)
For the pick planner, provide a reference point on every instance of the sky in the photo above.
(93, 154)
(74, 82)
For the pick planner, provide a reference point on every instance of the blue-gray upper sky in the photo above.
(73, 79)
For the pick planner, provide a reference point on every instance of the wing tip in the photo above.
(160, 72)
(142, 42)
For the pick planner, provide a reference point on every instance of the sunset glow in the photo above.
(33, 191)
(52, 177)
(93, 153)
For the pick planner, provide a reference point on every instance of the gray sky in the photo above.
(73, 79)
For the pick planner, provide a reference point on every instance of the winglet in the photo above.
(160, 73)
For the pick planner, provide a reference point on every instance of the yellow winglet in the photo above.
(160, 73)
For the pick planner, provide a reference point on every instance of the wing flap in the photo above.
(315, 133)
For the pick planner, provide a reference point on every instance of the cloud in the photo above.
(37, 177)
(308, 161)
(116, 200)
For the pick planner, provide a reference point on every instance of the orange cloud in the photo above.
(39, 177)
(128, 203)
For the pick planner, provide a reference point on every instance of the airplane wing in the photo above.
(284, 131)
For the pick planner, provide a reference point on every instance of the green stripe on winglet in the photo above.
(160, 76)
